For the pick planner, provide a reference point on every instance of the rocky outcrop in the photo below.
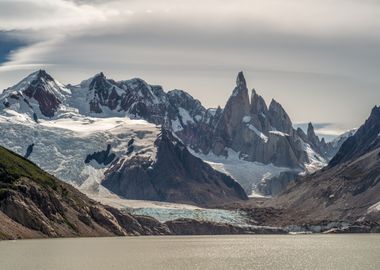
(174, 176)
(104, 157)
(29, 150)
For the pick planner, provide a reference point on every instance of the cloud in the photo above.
(49, 14)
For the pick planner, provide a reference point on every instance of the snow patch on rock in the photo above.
(258, 133)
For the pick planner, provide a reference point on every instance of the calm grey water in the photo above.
(215, 252)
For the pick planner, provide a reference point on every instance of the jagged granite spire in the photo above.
(240, 80)
(312, 137)
(258, 104)
(280, 120)
(236, 108)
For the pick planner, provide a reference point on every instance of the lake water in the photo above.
(352, 251)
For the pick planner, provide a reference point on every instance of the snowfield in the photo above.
(247, 173)
(65, 143)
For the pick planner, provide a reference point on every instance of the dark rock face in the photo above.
(365, 139)
(104, 157)
(29, 150)
(175, 176)
(48, 101)
(236, 108)
(102, 93)
(280, 120)
(39, 89)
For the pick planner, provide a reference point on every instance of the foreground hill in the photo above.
(35, 204)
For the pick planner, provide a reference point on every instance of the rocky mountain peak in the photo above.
(280, 120)
(42, 74)
(98, 81)
(313, 139)
(240, 80)
(236, 108)
(310, 128)
(38, 95)
(241, 89)
(311, 133)
(375, 114)
(258, 104)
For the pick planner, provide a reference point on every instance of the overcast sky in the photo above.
(319, 59)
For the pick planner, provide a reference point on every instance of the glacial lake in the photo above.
(350, 251)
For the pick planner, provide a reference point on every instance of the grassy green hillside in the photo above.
(13, 166)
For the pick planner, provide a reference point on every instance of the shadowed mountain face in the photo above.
(363, 141)
(175, 176)
(35, 204)
(349, 188)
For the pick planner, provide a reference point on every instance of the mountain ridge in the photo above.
(245, 125)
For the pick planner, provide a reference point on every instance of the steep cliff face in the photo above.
(236, 108)
(279, 118)
(35, 204)
(174, 176)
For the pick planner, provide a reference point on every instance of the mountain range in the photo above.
(128, 140)
(245, 136)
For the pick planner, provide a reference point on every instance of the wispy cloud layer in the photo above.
(316, 57)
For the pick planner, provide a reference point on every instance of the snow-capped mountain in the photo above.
(89, 133)
(38, 95)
